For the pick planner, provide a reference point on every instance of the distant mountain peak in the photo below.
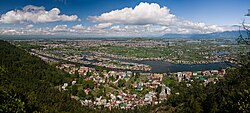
(225, 34)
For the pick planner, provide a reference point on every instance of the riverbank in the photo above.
(158, 66)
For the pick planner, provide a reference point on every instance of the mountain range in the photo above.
(226, 34)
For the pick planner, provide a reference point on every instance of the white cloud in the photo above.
(34, 14)
(142, 14)
(117, 30)
(103, 25)
(154, 14)
(78, 27)
(60, 28)
(9, 32)
(29, 26)
(146, 19)
(31, 8)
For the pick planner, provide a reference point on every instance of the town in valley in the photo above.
(110, 72)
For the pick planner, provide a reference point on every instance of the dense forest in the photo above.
(28, 84)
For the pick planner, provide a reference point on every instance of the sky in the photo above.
(120, 18)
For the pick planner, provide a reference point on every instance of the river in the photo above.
(165, 67)
(161, 66)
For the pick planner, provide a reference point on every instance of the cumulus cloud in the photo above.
(142, 14)
(103, 25)
(78, 27)
(145, 19)
(154, 14)
(9, 32)
(60, 28)
(117, 30)
(29, 26)
(35, 14)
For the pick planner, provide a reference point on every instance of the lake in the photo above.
(161, 66)
(165, 67)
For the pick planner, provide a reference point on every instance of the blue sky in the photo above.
(180, 16)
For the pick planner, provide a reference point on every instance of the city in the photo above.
(124, 56)
(100, 79)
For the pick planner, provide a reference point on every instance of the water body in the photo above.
(165, 67)
(86, 65)
(160, 66)
(223, 53)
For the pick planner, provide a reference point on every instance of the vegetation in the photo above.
(121, 83)
(88, 84)
(229, 94)
(205, 50)
(28, 84)
(27, 46)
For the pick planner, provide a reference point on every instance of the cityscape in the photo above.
(128, 84)
(124, 56)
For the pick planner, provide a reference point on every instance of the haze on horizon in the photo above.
(120, 17)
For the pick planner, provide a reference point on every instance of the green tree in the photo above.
(88, 74)
(74, 90)
(81, 94)
(10, 102)
(99, 68)
(121, 83)
(158, 89)
(88, 84)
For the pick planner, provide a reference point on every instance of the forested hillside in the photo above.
(28, 84)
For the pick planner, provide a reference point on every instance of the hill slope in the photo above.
(28, 84)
